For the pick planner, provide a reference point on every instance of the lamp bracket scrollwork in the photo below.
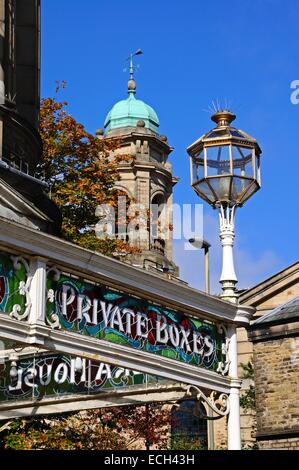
(227, 219)
(217, 402)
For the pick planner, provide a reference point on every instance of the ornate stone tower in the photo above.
(146, 179)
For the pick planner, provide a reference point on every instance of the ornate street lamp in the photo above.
(225, 172)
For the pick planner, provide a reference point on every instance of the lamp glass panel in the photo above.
(222, 187)
(258, 168)
(251, 190)
(242, 161)
(236, 133)
(239, 185)
(218, 160)
(217, 133)
(197, 168)
(204, 189)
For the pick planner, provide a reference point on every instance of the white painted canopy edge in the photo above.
(111, 272)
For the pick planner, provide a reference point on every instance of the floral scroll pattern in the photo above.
(15, 282)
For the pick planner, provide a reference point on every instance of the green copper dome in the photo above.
(127, 113)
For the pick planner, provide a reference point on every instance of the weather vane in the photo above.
(132, 67)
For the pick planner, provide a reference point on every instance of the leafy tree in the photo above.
(180, 443)
(75, 432)
(148, 424)
(247, 399)
(104, 429)
(81, 175)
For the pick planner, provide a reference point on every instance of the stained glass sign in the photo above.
(95, 310)
(51, 375)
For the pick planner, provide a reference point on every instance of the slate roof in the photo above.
(283, 313)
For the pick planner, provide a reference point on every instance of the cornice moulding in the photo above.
(102, 269)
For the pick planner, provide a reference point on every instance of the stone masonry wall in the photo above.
(220, 433)
(276, 368)
(280, 444)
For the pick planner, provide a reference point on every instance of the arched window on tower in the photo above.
(188, 428)
(158, 216)
(121, 215)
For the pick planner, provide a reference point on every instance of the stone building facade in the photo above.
(22, 193)
(265, 297)
(275, 338)
(20, 57)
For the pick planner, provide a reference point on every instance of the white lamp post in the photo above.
(225, 172)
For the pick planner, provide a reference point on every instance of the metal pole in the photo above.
(207, 270)
(200, 243)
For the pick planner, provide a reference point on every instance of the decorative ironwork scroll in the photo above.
(223, 366)
(217, 402)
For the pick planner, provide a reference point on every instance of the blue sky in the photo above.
(194, 52)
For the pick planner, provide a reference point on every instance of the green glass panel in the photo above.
(101, 312)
